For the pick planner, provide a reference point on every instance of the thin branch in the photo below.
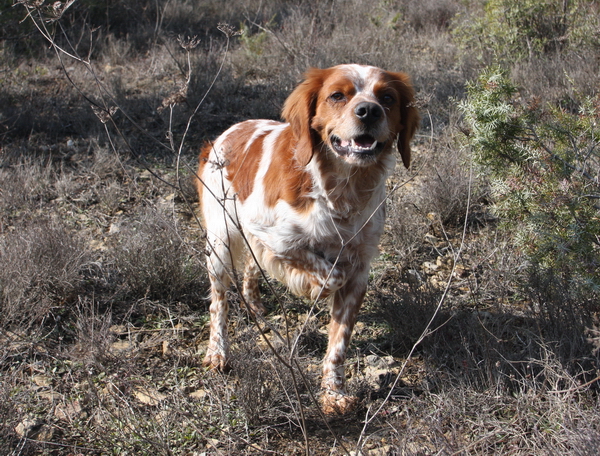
(427, 331)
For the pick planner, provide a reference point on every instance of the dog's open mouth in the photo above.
(363, 145)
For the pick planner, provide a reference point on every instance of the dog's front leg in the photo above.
(303, 271)
(345, 306)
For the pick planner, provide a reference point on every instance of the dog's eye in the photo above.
(337, 96)
(387, 100)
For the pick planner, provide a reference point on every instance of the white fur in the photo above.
(322, 249)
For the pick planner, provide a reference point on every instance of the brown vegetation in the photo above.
(461, 348)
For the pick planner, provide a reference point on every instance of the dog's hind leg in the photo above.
(223, 252)
(219, 269)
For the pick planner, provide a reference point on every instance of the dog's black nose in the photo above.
(368, 113)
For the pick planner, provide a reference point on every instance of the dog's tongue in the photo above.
(364, 142)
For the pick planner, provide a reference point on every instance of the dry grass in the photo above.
(43, 271)
(103, 292)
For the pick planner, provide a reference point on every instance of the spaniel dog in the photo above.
(304, 201)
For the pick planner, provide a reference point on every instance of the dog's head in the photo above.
(356, 111)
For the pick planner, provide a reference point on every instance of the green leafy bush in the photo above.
(544, 166)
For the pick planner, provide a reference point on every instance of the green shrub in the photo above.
(513, 30)
(543, 163)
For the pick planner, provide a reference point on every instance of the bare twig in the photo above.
(369, 417)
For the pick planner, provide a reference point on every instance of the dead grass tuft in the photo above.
(43, 271)
(154, 261)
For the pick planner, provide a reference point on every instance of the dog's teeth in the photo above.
(357, 146)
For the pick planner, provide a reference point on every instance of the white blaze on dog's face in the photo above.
(359, 112)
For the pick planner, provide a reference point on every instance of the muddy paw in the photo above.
(334, 403)
(215, 361)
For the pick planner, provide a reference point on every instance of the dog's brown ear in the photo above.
(299, 110)
(409, 115)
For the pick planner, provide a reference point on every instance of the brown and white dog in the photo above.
(304, 200)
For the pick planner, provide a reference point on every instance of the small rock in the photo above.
(122, 346)
(198, 394)
(145, 174)
(28, 427)
(389, 361)
(413, 277)
(380, 362)
(376, 377)
(429, 267)
(97, 245)
(68, 411)
(212, 443)
(359, 327)
(118, 329)
(51, 396)
(42, 380)
(371, 360)
(114, 228)
(163, 416)
(44, 433)
(148, 396)
(166, 348)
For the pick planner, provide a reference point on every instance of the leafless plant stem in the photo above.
(370, 416)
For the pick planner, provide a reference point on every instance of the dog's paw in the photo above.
(335, 403)
(215, 361)
(335, 279)
(326, 282)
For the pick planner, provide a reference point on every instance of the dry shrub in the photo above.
(271, 386)
(564, 309)
(562, 78)
(523, 423)
(441, 194)
(497, 268)
(8, 414)
(113, 177)
(154, 261)
(43, 266)
(508, 352)
(430, 15)
(521, 392)
(264, 387)
(448, 186)
(406, 309)
(545, 45)
(273, 58)
(91, 327)
(106, 164)
(406, 228)
(24, 184)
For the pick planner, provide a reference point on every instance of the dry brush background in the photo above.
(103, 292)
